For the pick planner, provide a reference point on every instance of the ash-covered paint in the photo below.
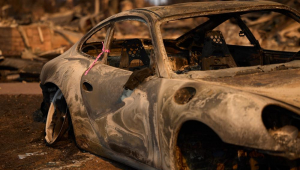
(140, 127)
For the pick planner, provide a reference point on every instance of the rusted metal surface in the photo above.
(140, 125)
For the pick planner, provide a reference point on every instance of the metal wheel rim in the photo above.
(57, 122)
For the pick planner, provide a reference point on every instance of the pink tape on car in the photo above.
(103, 51)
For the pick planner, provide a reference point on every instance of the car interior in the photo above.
(128, 51)
(204, 48)
(201, 48)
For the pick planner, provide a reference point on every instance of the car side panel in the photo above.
(124, 119)
(235, 116)
(65, 72)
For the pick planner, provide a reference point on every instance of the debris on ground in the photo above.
(23, 156)
(23, 141)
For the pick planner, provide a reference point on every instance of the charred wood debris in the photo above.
(35, 31)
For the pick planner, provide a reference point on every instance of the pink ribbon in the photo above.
(103, 51)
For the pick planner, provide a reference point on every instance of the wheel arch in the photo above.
(48, 90)
(186, 127)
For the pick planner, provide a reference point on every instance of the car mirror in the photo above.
(137, 77)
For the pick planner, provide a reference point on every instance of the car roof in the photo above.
(214, 7)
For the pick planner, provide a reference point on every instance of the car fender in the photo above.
(234, 115)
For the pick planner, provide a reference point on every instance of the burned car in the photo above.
(164, 88)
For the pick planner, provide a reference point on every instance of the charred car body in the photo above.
(156, 103)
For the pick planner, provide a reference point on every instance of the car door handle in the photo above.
(87, 86)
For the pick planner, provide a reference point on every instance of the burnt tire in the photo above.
(58, 119)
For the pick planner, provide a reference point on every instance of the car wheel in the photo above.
(57, 122)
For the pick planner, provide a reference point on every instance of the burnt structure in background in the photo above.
(32, 32)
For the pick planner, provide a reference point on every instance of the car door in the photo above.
(123, 119)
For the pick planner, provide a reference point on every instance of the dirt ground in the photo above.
(23, 146)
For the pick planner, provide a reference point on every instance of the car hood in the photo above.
(282, 85)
